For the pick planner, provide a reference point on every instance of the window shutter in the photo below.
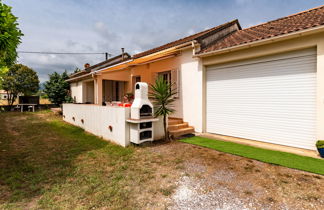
(176, 80)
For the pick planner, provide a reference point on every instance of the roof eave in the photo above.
(162, 53)
(74, 79)
(263, 41)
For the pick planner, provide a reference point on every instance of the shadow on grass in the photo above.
(38, 152)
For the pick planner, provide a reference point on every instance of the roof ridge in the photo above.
(204, 31)
(282, 18)
(197, 35)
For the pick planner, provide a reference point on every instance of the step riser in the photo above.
(182, 131)
(177, 134)
(177, 126)
(174, 122)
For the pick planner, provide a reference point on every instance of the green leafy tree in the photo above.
(57, 89)
(19, 79)
(10, 36)
(3, 71)
(162, 93)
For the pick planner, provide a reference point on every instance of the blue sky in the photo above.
(108, 25)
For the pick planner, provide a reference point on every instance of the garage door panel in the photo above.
(272, 101)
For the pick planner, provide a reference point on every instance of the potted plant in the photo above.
(320, 147)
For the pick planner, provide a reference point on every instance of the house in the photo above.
(174, 61)
(261, 83)
(266, 82)
(3, 95)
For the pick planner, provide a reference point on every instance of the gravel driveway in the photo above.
(208, 179)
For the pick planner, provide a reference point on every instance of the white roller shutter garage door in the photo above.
(270, 99)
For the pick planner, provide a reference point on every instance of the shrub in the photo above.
(320, 144)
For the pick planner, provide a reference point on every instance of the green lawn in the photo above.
(48, 164)
(269, 156)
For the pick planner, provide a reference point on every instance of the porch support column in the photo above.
(98, 90)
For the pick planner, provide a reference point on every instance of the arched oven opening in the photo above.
(145, 111)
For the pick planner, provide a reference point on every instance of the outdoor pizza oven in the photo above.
(141, 107)
(141, 128)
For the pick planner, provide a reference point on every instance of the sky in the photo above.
(109, 25)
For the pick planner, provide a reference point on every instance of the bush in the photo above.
(57, 89)
(320, 144)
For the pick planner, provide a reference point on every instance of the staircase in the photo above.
(177, 127)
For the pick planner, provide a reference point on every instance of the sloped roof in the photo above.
(187, 39)
(103, 64)
(297, 22)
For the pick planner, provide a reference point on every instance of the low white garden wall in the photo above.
(98, 119)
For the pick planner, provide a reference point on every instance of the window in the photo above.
(134, 80)
(171, 77)
(166, 75)
(137, 79)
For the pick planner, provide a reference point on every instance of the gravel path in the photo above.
(209, 179)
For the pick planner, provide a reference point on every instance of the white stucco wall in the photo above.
(77, 91)
(191, 83)
(97, 120)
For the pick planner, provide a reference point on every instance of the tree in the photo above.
(19, 79)
(57, 89)
(3, 71)
(162, 93)
(10, 36)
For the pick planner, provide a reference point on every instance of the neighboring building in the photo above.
(262, 83)
(3, 95)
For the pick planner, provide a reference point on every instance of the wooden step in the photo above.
(182, 131)
(177, 126)
(174, 121)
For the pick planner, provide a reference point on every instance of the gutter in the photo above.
(261, 42)
(75, 78)
(117, 64)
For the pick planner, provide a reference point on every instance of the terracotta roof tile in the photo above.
(296, 22)
(111, 61)
(185, 39)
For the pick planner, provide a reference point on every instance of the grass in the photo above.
(48, 164)
(269, 156)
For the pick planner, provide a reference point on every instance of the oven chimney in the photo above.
(141, 107)
(87, 65)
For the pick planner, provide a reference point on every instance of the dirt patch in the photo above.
(11, 124)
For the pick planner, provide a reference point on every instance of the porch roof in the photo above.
(87, 72)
